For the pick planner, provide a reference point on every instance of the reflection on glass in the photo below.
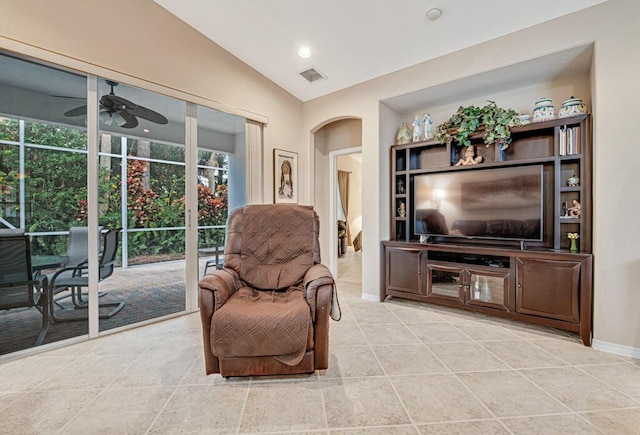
(487, 288)
(445, 283)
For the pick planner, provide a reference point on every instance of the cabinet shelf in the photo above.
(570, 220)
(570, 157)
(501, 164)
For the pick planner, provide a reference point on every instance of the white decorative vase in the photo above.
(404, 134)
(543, 110)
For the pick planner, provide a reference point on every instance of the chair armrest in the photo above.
(317, 277)
(217, 287)
(317, 272)
(77, 272)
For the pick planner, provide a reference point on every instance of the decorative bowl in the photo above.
(524, 119)
(572, 106)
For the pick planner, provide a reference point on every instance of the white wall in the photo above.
(613, 27)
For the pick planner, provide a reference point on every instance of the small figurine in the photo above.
(402, 210)
(417, 129)
(428, 127)
(401, 190)
(576, 209)
(468, 157)
(404, 134)
(573, 181)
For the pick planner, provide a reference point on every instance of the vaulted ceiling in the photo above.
(352, 41)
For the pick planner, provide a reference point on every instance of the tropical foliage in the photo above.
(56, 194)
(495, 121)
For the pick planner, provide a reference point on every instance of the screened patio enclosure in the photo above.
(84, 151)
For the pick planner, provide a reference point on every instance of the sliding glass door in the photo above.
(106, 179)
(142, 196)
(43, 191)
(221, 145)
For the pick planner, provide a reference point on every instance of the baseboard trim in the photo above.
(368, 297)
(617, 349)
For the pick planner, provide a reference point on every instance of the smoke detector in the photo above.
(434, 14)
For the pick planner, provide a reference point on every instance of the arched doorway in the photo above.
(337, 146)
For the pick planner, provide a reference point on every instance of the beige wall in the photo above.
(614, 30)
(156, 47)
(138, 40)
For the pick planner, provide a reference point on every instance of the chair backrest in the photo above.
(271, 246)
(16, 279)
(11, 232)
(78, 245)
(109, 253)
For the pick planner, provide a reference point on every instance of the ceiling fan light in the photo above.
(110, 119)
(105, 117)
(119, 120)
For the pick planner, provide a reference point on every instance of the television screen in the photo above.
(494, 203)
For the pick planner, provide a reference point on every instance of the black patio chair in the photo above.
(18, 288)
(75, 278)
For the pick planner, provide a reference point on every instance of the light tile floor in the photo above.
(399, 367)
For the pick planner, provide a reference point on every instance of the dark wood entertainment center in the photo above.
(540, 282)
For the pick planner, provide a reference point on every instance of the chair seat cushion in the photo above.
(263, 323)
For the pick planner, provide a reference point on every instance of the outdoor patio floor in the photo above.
(149, 291)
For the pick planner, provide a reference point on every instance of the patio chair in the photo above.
(75, 278)
(18, 288)
(77, 254)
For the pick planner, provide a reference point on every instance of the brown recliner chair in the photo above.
(267, 310)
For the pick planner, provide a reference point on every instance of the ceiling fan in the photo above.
(115, 110)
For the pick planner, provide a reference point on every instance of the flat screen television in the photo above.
(493, 203)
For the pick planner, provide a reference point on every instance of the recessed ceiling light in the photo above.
(434, 14)
(304, 52)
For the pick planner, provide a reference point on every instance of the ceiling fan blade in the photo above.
(148, 114)
(69, 97)
(118, 102)
(132, 122)
(113, 103)
(78, 111)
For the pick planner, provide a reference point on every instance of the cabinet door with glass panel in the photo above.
(446, 281)
(488, 287)
(474, 285)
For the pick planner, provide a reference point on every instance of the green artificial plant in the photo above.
(495, 121)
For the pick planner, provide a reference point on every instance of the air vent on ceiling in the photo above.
(312, 75)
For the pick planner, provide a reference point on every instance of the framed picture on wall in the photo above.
(285, 182)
